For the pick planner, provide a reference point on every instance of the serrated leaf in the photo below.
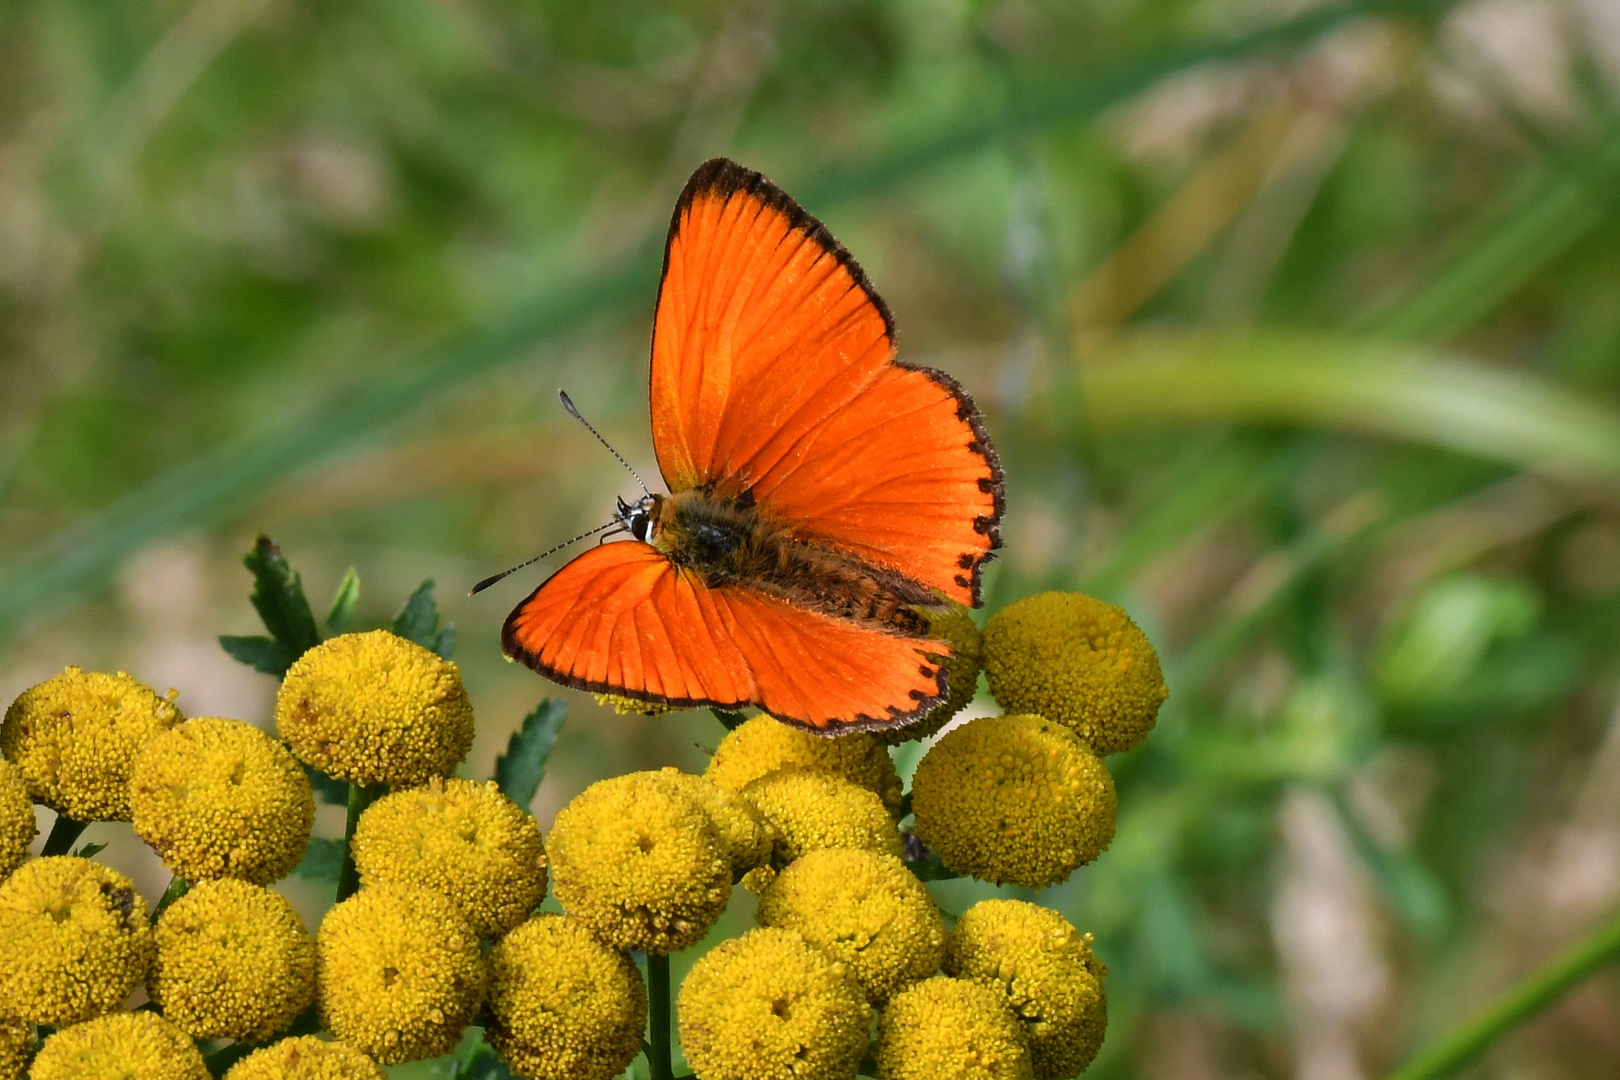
(259, 653)
(343, 601)
(90, 851)
(326, 788)
(518, 772)
(418, 620)
(322, 860)
(278, 595)
(445, 643)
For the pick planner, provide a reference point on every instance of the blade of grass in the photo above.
(212, 484)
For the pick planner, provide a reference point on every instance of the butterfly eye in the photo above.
(639, 524)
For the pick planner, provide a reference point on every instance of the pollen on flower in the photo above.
(1078, 661)
(763, 745)
(373, 708)
(955, 625)
(946, 1029)
(1045, 971)
(75, 737)
(810, 809)
(865, 910)
(16, 819)
(1013, 799)
(306, 1058)
(233, 961)
(398, 973)
(220, 798)
(770, 1005)
(562, 1005)
(73, 940)
(627, 706)
(639, 860)
(464, 839)
(16, 1040)
(741, 828)
(141, 1045)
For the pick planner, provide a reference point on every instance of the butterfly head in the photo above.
(639, 518)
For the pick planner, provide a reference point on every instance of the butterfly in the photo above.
(824, 497)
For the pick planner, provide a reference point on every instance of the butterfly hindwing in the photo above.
(623, 619)
(773, 372)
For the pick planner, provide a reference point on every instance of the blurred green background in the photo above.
(1297, 327)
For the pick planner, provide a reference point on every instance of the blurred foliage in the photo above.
(1296, 326)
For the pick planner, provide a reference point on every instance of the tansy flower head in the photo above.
(1013, 799)
(374, 708)
(220, 798)
(464, 839)
(626, 706)
(865, 910)
(771, 1006)
(1079, 661)
(562, 1005)
(809, 809)
(15, 1042)
(16, 818)
(306, 1058)
(961, 669)
(945, 1029)
(122, 1046)
(742, 830)
(73, 940)
(75, 736)
(233, 961)
(763, 745)
(638, 860)
(398, 973)
(1045, 971)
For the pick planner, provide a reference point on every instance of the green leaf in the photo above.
(445, 643)
(322, 860)
(518, 772)
(259, 653)
(278, 595)
(327, 789)
(342, 610)
(90, 851)
(418, 620)
(731, 720)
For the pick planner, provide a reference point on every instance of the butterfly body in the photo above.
(825, 498)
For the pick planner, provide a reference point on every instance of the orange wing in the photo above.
(773, 372)
(623, 619)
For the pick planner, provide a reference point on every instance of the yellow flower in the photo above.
(961, 668)
(562, 1005)
(639, 861)
(1078, 661)
(122, 1046)
(398, 973)
(742, 830)
(1044, 970)
(75, 736)
(16, 818)
(763, 745)
(464, 839)
(1013, 799)
(220, 798)
(944, 1029)
(810, 809)
(306, 1058)
(233, 961)
(374, 708)
(626, 706)
(771, 1006)
(866, 911)
(15, 1041)
(73, 940)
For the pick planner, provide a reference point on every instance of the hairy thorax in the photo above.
(727, 541)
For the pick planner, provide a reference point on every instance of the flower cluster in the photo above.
(436, 922)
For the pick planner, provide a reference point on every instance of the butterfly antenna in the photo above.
(493, 578)
(569, 405)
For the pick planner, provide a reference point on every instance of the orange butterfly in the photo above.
(823, 496)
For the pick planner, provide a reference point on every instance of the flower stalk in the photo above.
(658, 1055)
(360, 797)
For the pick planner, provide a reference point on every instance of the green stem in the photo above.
(360, 797)
(63, 834)
(658, 1016)
(1522, 1002)
(177, 888)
